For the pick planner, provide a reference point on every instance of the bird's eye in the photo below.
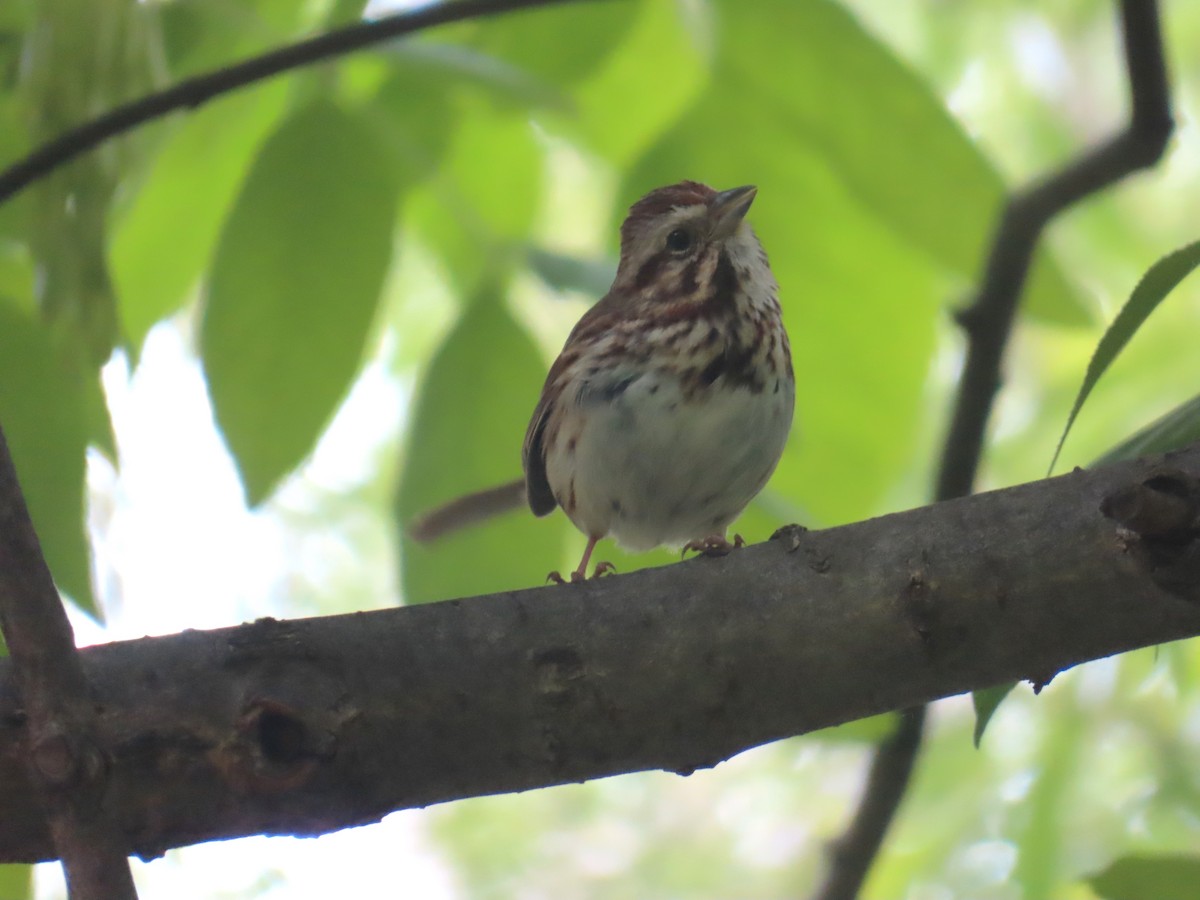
(679, 240)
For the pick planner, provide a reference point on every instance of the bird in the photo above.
(669, 406)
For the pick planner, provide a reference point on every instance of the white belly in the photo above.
(650, 468)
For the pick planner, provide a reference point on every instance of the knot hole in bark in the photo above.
(1159, 519)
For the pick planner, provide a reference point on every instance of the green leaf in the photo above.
(934, 187)
(201, 34)
(16, 274)
(660, 51)
(1149, 878)
(1156, 284)
(467, 431)
(43, 412)
(16, 881)
(165, 239)
(294, 288)
(344, 12)
(473, 220)
(16, 16)
(559, 45)
(870, 730)
(14, 144)
(417, 115)
(1178, 428)
(986, 703)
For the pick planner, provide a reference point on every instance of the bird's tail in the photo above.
(466, 511)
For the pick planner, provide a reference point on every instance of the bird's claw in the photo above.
(602, 568)
(714, 545)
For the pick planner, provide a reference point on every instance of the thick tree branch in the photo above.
(195, 91)
(308, 726)
(56, 751)
(988, 323)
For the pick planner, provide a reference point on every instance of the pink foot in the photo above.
(714, 545)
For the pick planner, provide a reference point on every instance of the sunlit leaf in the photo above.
(1149, 878)
(201, 34)
(660, 50)
(43, 413)
(345, 12)
(470, 217)
(418, 115)
(16, 274)
(294, 288)
(986, 703)
(880, 126)
(166, 238)
(466, 435)
(1156, 284)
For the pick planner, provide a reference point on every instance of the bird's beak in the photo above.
(728, 209)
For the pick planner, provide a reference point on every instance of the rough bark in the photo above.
(308, 726)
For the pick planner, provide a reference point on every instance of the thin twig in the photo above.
(988, 322)
(195, 91)
(61, 757)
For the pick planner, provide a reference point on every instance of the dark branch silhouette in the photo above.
(195, 91)
(309, 726)
(58, 755)
(988, 322)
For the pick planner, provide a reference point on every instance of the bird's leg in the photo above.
(580, 574)
(714, 545)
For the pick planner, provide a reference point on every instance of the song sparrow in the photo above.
(669, 405)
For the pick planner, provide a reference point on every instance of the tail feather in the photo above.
(466, 511)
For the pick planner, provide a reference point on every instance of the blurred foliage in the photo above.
(1149, 878)
(443, 208)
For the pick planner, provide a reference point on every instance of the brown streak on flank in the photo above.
(569, 507)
